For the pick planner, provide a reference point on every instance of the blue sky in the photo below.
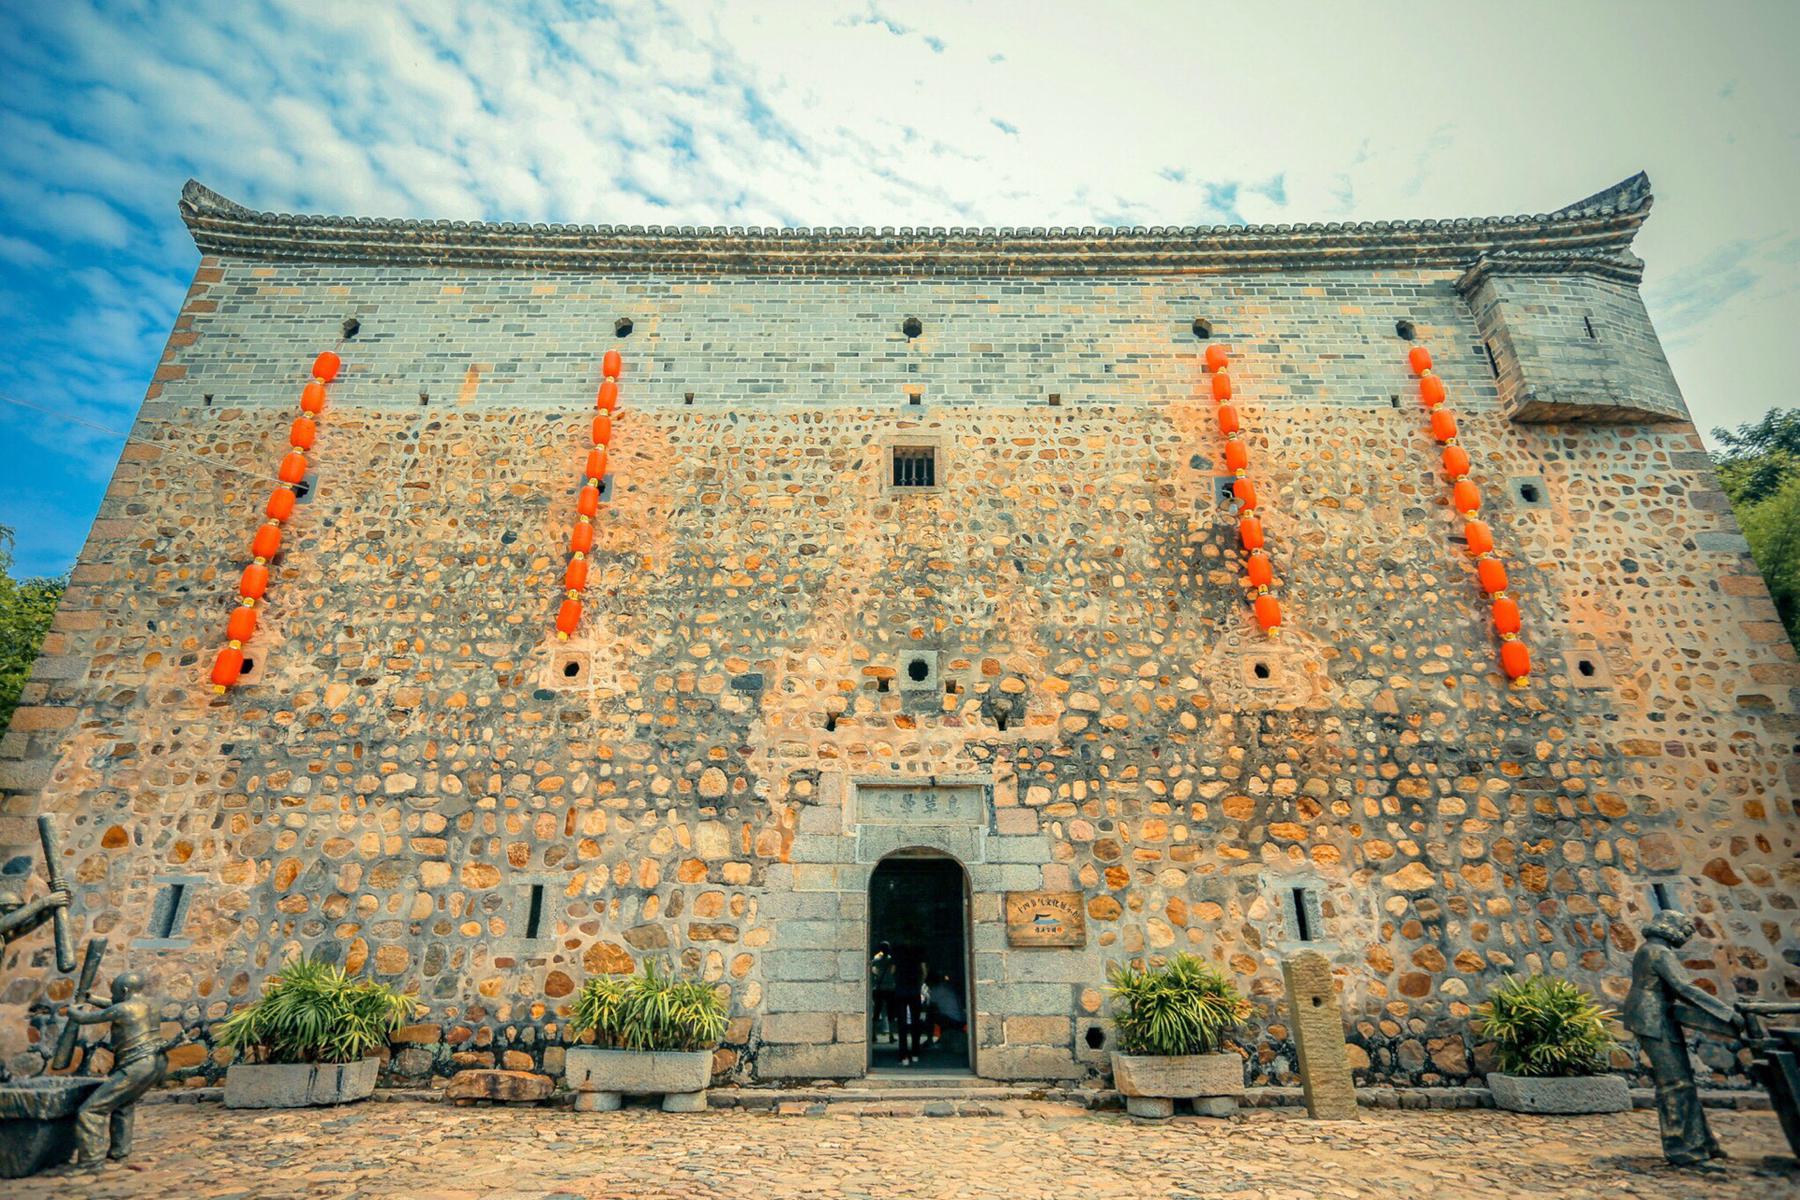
(817, 113)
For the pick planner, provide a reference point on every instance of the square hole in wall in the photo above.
(1222, 489)
(1528, 491)
(917, 671)
(1587, 669)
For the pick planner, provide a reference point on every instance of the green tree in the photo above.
(26, 606)
(1760, 471)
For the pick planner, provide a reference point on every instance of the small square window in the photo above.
(1529, 491)
(915, 466)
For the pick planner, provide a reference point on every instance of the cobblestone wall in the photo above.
(413, 751)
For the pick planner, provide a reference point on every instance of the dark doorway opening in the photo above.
(918, 935)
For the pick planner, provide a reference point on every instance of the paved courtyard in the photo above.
(423, 1150)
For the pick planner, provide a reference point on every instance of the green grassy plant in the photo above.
(649, 1011)
(316, 1012)
(1184, 1006)
(1545, 1026)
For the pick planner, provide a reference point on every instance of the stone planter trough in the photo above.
(1566, 1096)
(37, 1122)
(1152, 1083)
(298, 1085)
(601, 1079)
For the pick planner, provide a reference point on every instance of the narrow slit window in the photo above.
(166, 920)
(915, 467)
(1303, 930)
(1588, 323)
(534, 916)
(1493, 362)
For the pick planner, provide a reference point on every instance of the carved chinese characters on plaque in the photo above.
(1045, 919)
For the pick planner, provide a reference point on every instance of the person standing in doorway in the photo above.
(909, 1011)
(881, 992)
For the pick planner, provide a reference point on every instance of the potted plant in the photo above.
(1171, 1022)
(310, 1038)
(1551, 1045)
(653, 1035)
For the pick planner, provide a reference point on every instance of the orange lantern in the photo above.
(325, 367)
(302, 433)
(611, 364)
(603, 429)
(1221, 386)
(596, 463)
(1260, 569)
(1245, 491)
(241, 625)
(254, 581)
(1237, 455)
(1420, 358)
(1443, 424)
(575, 578)
(1268, 613)
(1492, 573)
(1431, 391)
(293, 467)
(1515, 660)
(608, 398)
(1480, 538)
(312, 398)
(1456, 462)
(1217, 357)
(1250, 533)
(1228, 419)
(281, 504)
(1506, 616)
(267, 542)
(582, 539)
(568, 617)
(1465, 497)
(227, 667)
(588, 503)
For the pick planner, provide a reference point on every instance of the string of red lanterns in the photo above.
(1259, 569)
(587, 502)
(253, 584)
(1465, 498)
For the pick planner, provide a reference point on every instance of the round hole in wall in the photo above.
(918, 670)
(1261, 670)
(1406, 329)
(1318, 1001)
(1586, 667)
(622, 327)
(1202, 328)
(912, 327)
(1096, 1037)
(249, 666)
(571, 669)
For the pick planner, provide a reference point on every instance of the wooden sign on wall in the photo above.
(1045, 919)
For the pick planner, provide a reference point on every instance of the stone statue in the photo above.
(103, 1123)
(1663, 999)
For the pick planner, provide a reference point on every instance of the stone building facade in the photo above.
(1041, 665)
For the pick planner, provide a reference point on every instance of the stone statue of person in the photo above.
(103, 1123)
(18, 918)
(1663, 999)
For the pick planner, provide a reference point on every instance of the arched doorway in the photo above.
(919, 930)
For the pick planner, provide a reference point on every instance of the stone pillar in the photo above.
(1318, 1028)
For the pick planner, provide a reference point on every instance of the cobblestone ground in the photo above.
(414, 1150)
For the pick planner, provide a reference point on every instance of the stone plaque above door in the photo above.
(921, 802)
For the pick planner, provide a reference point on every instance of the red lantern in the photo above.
(1480, 538)
(1268, 612)
(1443, 424)
(227, 667)
(267, 542)
(281, 504)
(1456, 462)
(1221, 386)
(254, 582)
(325, 367)
(596, 464)
(575, 578)
(1245, 491)
(293, 467)
(312, 398)
(588, 503)
(1237, 455)
(1492, 573)
(1465, 497)
(1420, 358)
(603, 430)
(1431, 391)
(1217, 357)
(582, 539)
(1228, 419)
(611, 364)
(241, 626)
(1515, 659)
(608, 399)
(302, 433)
(1250, 533)
(568, 617)
(1506, 616)
(1261, 570)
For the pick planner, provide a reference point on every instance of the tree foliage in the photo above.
(1760, 471)
(26, 606)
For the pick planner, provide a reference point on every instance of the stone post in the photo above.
(1318, 1028)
